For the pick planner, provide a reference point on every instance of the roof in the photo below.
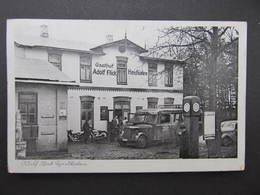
(40, 71)
(156, 110)
(147, 58)
(40, 42)
(121, 42)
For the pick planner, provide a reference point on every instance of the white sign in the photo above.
(209, 125)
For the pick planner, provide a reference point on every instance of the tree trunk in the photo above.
(213, 145)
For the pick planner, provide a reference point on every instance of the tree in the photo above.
(210, 54)
(203, 49)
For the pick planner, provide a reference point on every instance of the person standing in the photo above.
(115, 128)
(86, 129)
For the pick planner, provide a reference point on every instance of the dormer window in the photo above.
(55, 59)
(86, 68)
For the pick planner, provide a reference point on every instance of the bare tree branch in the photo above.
(223, 32)
(224, 47)
(183, 45)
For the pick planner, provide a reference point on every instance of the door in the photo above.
(27, 104)
(87, 113)
(165, 127)
(122, 107)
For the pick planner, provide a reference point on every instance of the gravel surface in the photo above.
(109, 150)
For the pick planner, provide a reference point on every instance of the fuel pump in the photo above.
(190, 137)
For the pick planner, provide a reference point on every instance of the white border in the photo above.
(107, 166)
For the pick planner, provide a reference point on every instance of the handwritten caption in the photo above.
(58, 163)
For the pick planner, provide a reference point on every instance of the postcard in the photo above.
(111, 96)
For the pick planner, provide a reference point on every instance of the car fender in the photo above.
(139, 134)
(225, 135)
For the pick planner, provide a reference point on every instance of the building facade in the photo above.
(41, 99)
(115, 78)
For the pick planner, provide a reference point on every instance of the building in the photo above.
(119, 80)
(115, 78)
(42, 100)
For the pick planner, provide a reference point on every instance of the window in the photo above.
(168, 75)
(152, 102)
(121, 70)
(138, 108)
(28, 108)
(165, 118)
(85, 68)
(152, 74)
(169, 101)
(55, 59)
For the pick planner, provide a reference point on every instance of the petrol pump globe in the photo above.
(196, 107)
(186, 107)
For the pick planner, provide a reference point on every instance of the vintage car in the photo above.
(228, 132)
(151, 126)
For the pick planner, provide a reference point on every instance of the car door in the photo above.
(165, 127)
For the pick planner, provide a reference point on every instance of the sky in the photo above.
(94, 32)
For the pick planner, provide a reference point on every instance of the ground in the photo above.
(107, 150)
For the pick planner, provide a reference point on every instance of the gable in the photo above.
(122, 45)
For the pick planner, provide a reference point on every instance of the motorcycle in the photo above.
(95, 135)
(75, 137)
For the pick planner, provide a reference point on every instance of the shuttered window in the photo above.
(152, 74)
(152, 102)
(169, 101)
(168, 75)
(85, 68)
(122, 70)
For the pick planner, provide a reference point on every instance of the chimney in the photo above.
(109, 38)
(44, 31)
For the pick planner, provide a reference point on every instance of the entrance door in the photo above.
(87, 111)
(122, 107)
(27, 104)
(118, 112)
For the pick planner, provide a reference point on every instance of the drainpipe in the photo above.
(56, 122)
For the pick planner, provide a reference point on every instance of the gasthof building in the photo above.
(115, 78)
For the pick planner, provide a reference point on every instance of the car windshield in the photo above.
(143, 118)
(228, 126)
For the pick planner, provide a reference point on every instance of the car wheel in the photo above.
(142, 142)
(227, 141)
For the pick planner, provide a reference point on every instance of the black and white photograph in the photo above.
(125, 95)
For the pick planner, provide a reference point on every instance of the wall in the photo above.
(52, 128)
(105, 98)
(70, 60)
(71, 67)
(134, 63)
